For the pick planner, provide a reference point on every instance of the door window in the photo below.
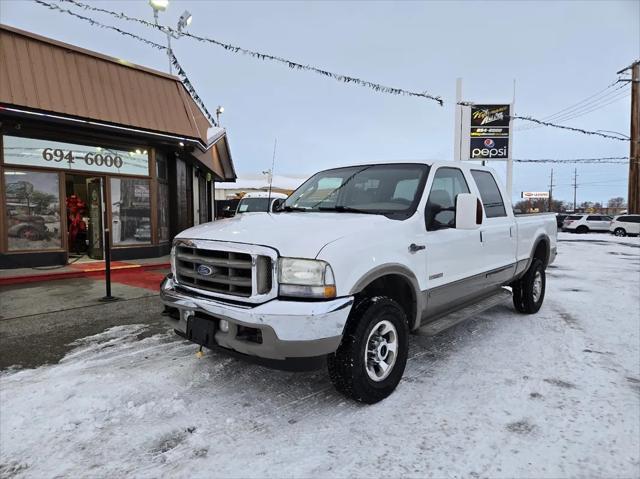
(448, 183)
(594, 218)
(490, 194)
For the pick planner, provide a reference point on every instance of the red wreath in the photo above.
(75, 208)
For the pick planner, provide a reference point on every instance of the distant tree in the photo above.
(42, 202)
(617, 202)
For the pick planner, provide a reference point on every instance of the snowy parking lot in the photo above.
(556, 394)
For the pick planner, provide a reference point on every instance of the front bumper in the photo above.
(289, 329)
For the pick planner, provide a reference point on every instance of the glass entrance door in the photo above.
(84, 213)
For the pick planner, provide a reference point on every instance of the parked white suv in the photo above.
(354, 260)
(586, 223)
(624, 225)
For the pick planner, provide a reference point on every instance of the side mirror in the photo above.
(468, 212)
(277, 204)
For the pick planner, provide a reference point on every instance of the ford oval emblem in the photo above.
(204, 270)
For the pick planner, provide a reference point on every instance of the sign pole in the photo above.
(510, 155)
(107, 248)
(457, 145)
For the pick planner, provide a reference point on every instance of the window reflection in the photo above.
(32, 202)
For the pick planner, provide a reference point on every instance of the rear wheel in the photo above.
(620, 232)
(369, 362)
(528, 291)
(582, 229)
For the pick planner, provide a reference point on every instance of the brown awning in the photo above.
(46, 75)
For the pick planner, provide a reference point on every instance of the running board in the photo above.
(456, 317)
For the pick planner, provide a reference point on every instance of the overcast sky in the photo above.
(558, 52)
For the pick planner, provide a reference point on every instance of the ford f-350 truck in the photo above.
(356, 259)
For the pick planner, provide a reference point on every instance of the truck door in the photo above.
(454, 256)
(498, 233)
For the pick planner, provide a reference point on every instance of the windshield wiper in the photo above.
(292, 208)
(346, 209)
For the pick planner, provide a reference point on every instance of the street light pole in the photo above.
(183, 22)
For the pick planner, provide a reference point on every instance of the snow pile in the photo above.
(556, 394)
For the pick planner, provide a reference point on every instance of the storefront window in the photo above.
(32, 201)
(130, 211)
(163, 211)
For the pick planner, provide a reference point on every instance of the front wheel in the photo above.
(620, 232)
(528, 291)
(371, 358)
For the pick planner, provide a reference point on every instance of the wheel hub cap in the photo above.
(381, 350)
(537, 286)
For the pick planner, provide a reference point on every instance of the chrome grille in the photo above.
(224, 272)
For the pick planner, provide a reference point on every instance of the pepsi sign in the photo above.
(489, 148)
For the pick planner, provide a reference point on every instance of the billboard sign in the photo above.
(534, 195)
(489, 132)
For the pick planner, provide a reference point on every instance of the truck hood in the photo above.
(295, 234)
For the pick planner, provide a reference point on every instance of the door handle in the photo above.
(414, 248)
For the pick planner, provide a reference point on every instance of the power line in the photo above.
(604, 102)
(608, 91)
(264, 56)
(289, 63)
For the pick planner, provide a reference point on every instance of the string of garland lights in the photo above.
(617, 160)
(265, 56)
(174, 61)
(291, 64)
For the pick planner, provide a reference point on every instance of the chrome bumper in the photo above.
(289, 328)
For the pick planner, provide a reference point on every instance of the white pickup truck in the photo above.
(355, 260)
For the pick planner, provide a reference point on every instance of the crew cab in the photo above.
(354, 260)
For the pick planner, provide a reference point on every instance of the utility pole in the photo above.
(633, 197)
(575, 187)
(551, 185)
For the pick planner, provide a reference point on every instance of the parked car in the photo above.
(260, 201)
(624, 225)
(29, 227)
(143, 232)
(585, 223)
(355, 259)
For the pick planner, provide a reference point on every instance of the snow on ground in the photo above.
(556, 394)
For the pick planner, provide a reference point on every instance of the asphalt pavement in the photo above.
(40, 321)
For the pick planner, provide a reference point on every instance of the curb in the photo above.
(35, 278)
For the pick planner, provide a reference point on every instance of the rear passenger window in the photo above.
(574, 218)
(630, 219)
(490, 194)
(447, 184)
(594, 218)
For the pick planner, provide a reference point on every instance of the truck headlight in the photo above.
(307, 278)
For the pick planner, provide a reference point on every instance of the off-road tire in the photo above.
(347, 366)
(582, 229)
(620, 232)
(523, 289)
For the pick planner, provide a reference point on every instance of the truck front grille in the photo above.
(224, 272)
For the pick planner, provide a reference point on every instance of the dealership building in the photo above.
(89, 141)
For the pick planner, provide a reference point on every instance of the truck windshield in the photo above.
(390, 190)
(252, 205)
